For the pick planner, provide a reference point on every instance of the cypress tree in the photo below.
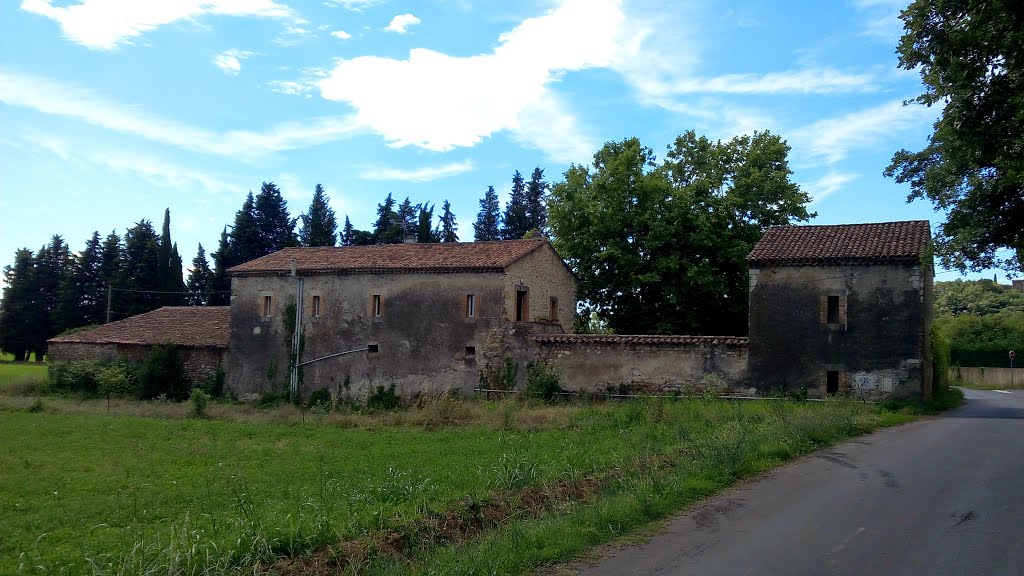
(388, 229)
(200, 280)
(488, 219)
(220, 281)
(275, 228)
(516, 224)
(347, 233)
(244, 239)
(90, 281)
(111, 260)
(407, 217)
(424, 232)
(164, 280)
(319, 225)
(140, 271)
(536, 201)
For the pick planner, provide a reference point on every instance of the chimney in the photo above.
(410, 238)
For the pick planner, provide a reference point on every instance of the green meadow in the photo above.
(451, 486)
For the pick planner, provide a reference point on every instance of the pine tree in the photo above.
(276, 229)
(424, 231)
(319, 225)
(200, 280)
(516, 224)
(16, 318)
(163, 270)
(488, 219)
(536, 201)
(448, 226)
(140, 272)
(220, 281)
(347, 233)
(244, 238)
(388, 229)
(111, 260)
(176, 283)
(90, 281)
(51, 266)
(407, 217)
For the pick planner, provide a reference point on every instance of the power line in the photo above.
(186, 293)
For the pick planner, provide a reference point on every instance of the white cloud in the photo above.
(882, 19)
(49, 97)
(229, 61)
(546, 126)
(808, 81)
(291, 87)
(827, 185)
(105, 24)
(440, 102)
(353, 5)
(832, 139)
(159, 173)
(425, 174)
(400, 23)
(341, 35)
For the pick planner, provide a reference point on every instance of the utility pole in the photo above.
(110, 293)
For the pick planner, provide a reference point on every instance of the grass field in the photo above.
(21, 374)
(456, 487)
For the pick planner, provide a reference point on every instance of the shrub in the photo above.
(78, 377)
(941, 355)
(214, 384)
(115, 380)
(542, 381)
(383, 398)
(162, 372)
(321, 397)
(199, 400)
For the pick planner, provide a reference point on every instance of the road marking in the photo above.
(1002, 391)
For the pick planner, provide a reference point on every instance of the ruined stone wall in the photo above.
(646, 364)
(876, 347)
(199, 363)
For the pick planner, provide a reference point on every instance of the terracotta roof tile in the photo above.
(886, 241)
(650, 339)
(390, 258)
(197, 326)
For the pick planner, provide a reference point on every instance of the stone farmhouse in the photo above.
(425, 317)
(201, 333)
(833, 310)
(842, 309)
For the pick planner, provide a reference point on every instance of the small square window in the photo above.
(553, 309)
(372, 348)
(267, 303)
(833, 309)
(470, 350)
(315, 311)
(471, 306)
(376, 306)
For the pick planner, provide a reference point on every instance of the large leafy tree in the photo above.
(319, 224)
(971, 59)
(516, 221)
(447, 232)
(661, 248)
(488, 220)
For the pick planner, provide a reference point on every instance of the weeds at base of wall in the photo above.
(542, 382)
(383, 398)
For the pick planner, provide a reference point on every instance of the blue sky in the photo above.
(115, 109)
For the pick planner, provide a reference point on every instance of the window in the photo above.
(267, 302)
(372, 348)
(471, 305)
(522, 305)
(375, 306)
(833, 310)
(470, 350)
(315, 310)
(832, 382)
(553, 310)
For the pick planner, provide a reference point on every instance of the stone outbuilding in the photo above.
(842, 309)
(425, 317)
(200, 332)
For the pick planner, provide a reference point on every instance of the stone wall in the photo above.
(200, 363)
(646, 364)
(424, 340)
(876, 346)
(988, 376)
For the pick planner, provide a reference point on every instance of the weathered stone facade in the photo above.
(200, 363)
(425, 339)
(876, 344)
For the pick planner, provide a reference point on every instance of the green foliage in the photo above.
(648, 240)
(116, 380)
(389, 228)
(488, 220)
(941, 354)
(200, 280)
(76, 377)
(199, 400)
(214, 383)
(321, 397)
(162, 373)
(515, 222)
(542, 381)
(971, 60)
(447, 232)
(319, 224)
(510, 375)
(982, 321)
(383, 398)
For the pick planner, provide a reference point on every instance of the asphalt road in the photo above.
(943, 495)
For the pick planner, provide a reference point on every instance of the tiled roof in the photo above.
(194, 326)
(885, 241)
(638, 339)
(492, 256)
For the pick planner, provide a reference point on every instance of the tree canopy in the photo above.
(319, 225)
(971, 59)
(661, 248)
(488, 220)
